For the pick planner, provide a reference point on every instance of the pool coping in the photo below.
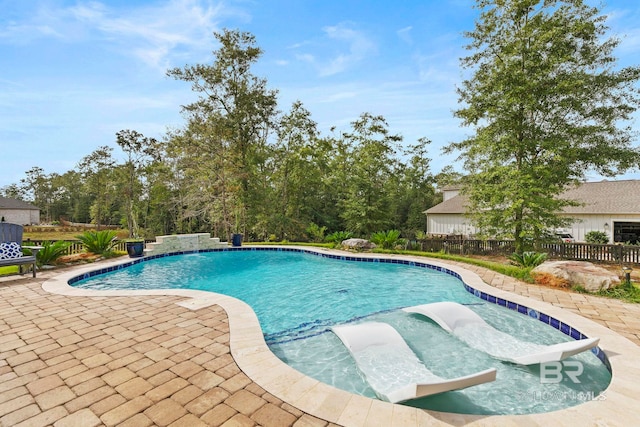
(252, 355)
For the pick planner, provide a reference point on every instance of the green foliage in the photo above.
(622, 292)
(545, 104)
(222, 150)
(370, 148)
(98, 242)
(386, 239)
(98, 171)
(597, 237)
(316, 233)
(528, 259)
(238, 161)
(337, 237)
(50, 252)
(140, 151)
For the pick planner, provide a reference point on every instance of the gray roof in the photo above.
(6, 203)
(455, 205)
(603, 197)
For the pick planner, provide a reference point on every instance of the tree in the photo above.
(97, 171)
(38, 186)
(295, 174)
(140, 151)
(13, 191)
(414, 191)
(365, 208)
(235, 111)
(546, 102)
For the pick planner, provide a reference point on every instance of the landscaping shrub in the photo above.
(337, 237)
(528, 259)
(98, 242)
(386, 239)
(316, 233)
(50, 252)
(597, 237)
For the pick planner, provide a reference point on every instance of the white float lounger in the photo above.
(392, 369)
(465, 324)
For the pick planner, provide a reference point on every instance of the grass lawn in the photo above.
(54, 235)
(12, 269)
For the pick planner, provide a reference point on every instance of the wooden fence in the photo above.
(76, 246)
(610, 254)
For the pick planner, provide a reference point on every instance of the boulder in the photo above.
(571, 273)
(358, 244)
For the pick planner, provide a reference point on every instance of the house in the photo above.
(19, 212)
(609, 206)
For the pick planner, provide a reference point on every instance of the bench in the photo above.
(11, 251)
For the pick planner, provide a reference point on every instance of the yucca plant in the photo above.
(386, 239)
(528, 259)
(98, 242)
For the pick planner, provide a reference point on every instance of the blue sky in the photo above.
(73, 73)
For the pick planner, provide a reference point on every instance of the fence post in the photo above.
(621, 254)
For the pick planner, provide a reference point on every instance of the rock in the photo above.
(571, 273)
(358, 244)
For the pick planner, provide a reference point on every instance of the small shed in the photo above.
(19, 212)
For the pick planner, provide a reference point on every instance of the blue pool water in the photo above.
(298, 296)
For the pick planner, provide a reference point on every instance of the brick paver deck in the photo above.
(139, 361)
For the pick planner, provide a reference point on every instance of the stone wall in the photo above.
(182, 243)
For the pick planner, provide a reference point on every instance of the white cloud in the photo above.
(405, 35)
(359, 47)
(306, 57)
(155, 33)
(624, 25)
(339, 49)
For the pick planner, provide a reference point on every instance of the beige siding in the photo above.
(586, 223)
(19, 216)
(458, 224)
(449, 224)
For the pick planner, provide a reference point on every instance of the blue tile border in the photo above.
(522, 309)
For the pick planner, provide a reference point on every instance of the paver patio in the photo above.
(144, 360)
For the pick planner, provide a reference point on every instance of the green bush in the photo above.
(386, 239)
(316, 233)
(597, 237)
(337, 237)
(528, 259)
(98, 242)
(50, 252)
(421, 235)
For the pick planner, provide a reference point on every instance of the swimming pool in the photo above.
(297, 296)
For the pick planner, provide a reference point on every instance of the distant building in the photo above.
(609, 206)
(19, 212)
